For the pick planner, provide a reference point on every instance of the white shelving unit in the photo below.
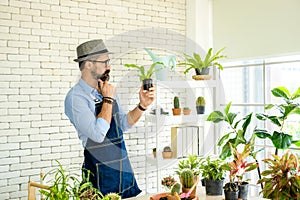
(160, 120)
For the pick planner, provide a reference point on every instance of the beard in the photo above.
(104, 77)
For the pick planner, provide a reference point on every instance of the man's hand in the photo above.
(106, 89)
(146, 96)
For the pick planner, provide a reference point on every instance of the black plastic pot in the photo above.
(204, 71)
(200, 109)
(147, 83)
(231, 195)
(243, 190)
(214, 187)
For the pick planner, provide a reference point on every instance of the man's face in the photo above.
(101, 67)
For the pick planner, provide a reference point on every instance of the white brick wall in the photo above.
(38, 42)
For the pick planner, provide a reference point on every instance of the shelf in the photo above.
(187, 84)
(154, 164)
(196, 120)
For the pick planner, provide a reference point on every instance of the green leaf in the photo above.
(224, 138)
(269, 106)
(296, 94)
(262, 134)
(247, 122)
(296, 142)
(281, 140)
(226, 151)
(215, 117)
(230, 117)
(226, 110)
(262, 117)
(274, 120)
(240, 138)
(281, 92)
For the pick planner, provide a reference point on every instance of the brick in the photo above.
(30, 158)
(30, 145)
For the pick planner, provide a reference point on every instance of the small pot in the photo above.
(186, 111)
(147, 83)
(231, 195)
(154, 154)
(243, 190)
(167, 154)
(200, 109)
(176, 111)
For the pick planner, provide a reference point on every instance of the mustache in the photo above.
(105, 76)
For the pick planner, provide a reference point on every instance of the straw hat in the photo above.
(90, 49)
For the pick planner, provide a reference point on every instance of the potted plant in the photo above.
(176, 110)
(213, 174)
(279, 138)
(201, 65)
(145, 76)
(154, 152)
(200, 105)
(282, 178)
(167, 152)
(231, 191)
(191, 164)
(168, 182)
(186, 110)
(238, 167)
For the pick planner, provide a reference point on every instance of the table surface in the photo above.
(200, 193)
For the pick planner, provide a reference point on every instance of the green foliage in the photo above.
(279, 138)
(176, 102)
(193, 162)
(187, 178)
(212, 169)
(200, 101)
(282, 178)
(143, 73)
(63, 182)
(112, 196)
(175, 188)
(196, 61)
(237, 132)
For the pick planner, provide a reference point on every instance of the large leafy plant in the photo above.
(282, 178)
(236, 134)
(279, 138)
(196, 62)
(146, 74)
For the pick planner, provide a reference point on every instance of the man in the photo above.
(94, 110)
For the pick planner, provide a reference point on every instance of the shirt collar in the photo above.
(88, 89)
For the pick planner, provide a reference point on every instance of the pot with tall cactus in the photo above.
(176, 110)
(200, 105)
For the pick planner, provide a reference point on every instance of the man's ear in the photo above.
(89, 64)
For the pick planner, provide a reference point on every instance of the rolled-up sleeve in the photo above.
(81, 114)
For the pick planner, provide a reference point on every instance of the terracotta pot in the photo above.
(187, 112)
(165, 194)
(176, 111)
(167, 154)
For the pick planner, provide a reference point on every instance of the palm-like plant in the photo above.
(196, 62)
(282, 179)
(146, 74)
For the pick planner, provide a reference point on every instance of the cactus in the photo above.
(167, 149)
(175, 188)
(200, 101)
(176, 102)
(187, 178)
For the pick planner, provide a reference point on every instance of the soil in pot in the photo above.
(231, 195)
(243, 190)
(200, 109)
(147, 83)
(214, 187)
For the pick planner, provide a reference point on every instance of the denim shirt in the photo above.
(80, 109)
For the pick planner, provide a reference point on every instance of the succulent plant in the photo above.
(175, 188)
(200, 101)
(167, 149)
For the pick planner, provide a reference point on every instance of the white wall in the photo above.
(38, 41)
(254, 29)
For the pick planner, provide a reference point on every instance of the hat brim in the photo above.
(90, 56)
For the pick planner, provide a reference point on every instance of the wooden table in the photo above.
(201, 196)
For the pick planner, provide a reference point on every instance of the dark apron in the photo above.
(109, 162)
